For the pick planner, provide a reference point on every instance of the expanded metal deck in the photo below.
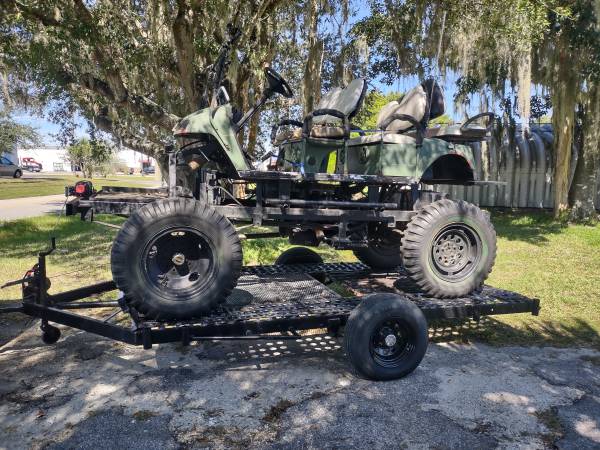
(269, 297)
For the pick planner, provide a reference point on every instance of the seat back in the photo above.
(414, 103)
(347, 100)
(423, 102)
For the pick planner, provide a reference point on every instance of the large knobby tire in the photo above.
(449, 248)
(383, 252)
(386, 337)
(299, 255)
(176, 259)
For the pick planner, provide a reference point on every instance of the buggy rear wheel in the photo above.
(386, 337)
(299, 255)
(302, 255)
(176, 259)
(383, 251)
(449, 248)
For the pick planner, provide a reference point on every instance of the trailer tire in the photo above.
(299, 255)
(449, 248)
(386, 337)
(176, 259)
(385, 253)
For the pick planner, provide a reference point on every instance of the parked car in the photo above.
(8, 169)
(148, 170)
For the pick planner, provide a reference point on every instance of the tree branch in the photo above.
(128, 139)
(137, 104)
(34, 13)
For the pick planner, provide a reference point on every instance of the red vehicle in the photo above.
(31, 164)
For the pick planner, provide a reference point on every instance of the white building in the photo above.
(52, 159)
(55, 159)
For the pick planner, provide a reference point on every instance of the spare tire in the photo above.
(176, 259)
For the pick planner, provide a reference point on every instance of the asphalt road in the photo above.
(20, 208)
(89, 392)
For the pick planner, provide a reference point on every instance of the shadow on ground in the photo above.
(533, 227)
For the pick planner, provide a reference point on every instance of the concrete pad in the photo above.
(90, 392)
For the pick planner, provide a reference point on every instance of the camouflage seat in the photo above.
(320, 123)
(415, 104)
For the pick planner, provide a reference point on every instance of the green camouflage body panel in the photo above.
(310, 156)
(217, 123)
(396, 160)
(433, 149)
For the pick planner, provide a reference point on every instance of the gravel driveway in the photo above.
(89, 392)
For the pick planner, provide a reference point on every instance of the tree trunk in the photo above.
(311, 85)
(253, 135)
(563, 118)
(583, 191)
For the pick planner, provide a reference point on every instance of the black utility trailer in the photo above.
(276, 302)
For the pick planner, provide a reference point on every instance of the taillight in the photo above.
(82, 189)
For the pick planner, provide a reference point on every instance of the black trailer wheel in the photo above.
(299, 255)
(383, 251)
(449, 248)
(386, 337)
(50, 334)
(176, 259)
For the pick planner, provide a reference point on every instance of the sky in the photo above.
(46, 128)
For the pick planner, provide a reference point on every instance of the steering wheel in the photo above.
(278, 84)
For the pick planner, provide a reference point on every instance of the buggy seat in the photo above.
(330, 119)
(413, 111)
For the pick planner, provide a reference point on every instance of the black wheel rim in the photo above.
(179, 262)
(392, 342)
(455, 252)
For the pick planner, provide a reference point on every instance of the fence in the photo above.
(525, 163)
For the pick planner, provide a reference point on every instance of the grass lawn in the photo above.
(537, 257)
(48, 184)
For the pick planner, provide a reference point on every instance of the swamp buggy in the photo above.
(178, 257)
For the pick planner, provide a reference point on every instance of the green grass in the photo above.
(537, 257)
(558, 264)
(55, 184)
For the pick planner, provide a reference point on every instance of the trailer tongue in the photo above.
(385, 333)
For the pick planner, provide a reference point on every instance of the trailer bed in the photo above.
(268, 299)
